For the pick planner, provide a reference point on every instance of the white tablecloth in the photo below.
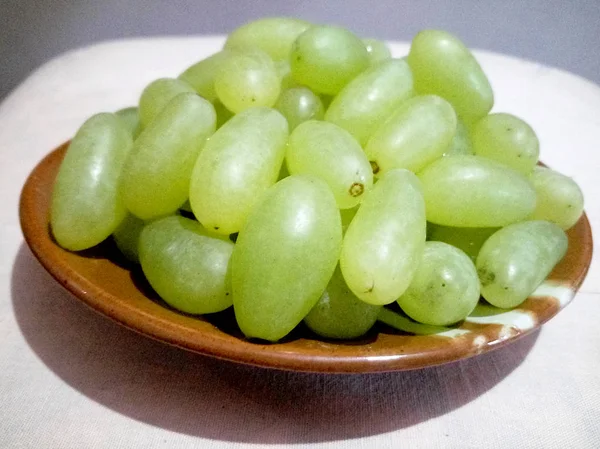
(70, 378)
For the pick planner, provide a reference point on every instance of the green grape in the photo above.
(506, 139)
(127, 237)
(475, 192)
(416, 134)
(331, 153)
(404, 324)
(347, 216)
(86, 206)
(445, 287)
(468, 240)
(247, 79)
(442, 65)
(156, 176)
(131, 119)
(384, 242)
(240, 161)
(326, 58)
(299, 104)
(461, 142)
(339, 313)
(370, 98)
(559, 198)
(186, 266)
(201, 76)
(378, 51)
(284, 70)
(514, 261)
(273, 35)
(284, 256)
(223, 114)
(157, 95)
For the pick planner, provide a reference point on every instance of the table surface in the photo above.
(70, 378)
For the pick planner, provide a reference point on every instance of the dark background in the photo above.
(561, 33)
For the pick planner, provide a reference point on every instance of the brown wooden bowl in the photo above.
(102, 280)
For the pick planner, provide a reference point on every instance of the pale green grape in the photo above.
(157, 95)
(339, 313)
(445, 287)
(514, 261)
(506, 139)
(475, 192)
(370, 98)
(201, 76)
(384, 242)
(127, 237)
(185, 265)
(416, 134)
(331, 153)
(299, 104)
(461, 142)
(559, 198)
(404, 324)
(247, 79)
(284, 256)
(86, 206)
(468, 240)
(240, 161)
(442, 65)
(378, 51)
(273, 35)
(326, 58)
(130, 117)
(156, 177)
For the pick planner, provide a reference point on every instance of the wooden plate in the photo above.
(101, 279)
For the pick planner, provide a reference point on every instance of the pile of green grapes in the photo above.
(327, 180)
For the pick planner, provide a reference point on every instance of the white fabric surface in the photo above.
(70, 378)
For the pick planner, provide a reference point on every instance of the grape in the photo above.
(443, 66)
(326, 58)
(127, 237)
(506, 139)
(468, 240)
(445, 287)
(475, 192)
(186, 266)
(298, 105)
(273, 35)
(157, 95)
(339, 313)
(85, 206)
(201, 76)
(414, 136)
(156, 176)
(370, 98)
(559, 198)
(247, 80)
(514, 261)
(461, 142)
(378, 51)
(329, 152)
(240, 161)
(131, 119)
(384, 242)
(404, 324)
(284, 256)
